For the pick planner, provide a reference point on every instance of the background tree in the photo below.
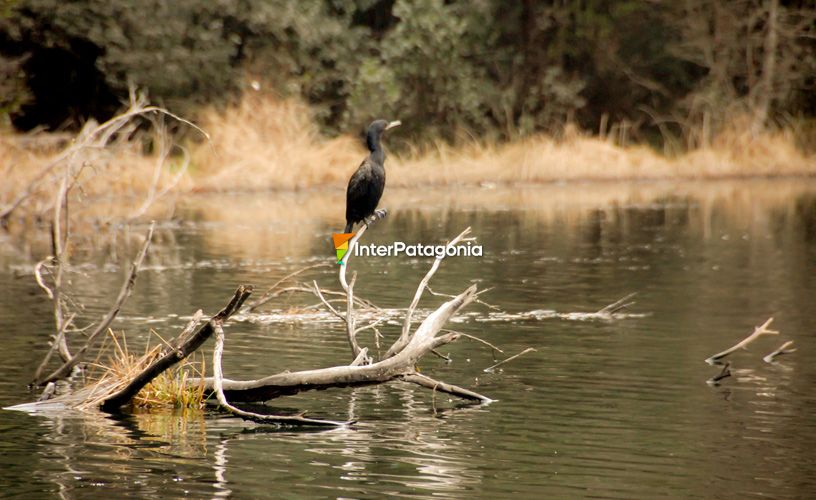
(659, 70)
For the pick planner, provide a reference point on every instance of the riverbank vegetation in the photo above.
(264, 142)
(487, 92)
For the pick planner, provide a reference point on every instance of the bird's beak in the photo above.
(393, 124)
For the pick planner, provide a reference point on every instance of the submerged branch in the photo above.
(184, 345)
(724, 373)
(783, 349)
(511, 358)
(758, 332)
(395, 367)
(255, 417)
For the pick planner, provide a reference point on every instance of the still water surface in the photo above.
(604, 408)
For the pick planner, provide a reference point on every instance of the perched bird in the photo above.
(366, 184)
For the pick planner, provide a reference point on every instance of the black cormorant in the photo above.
(366, 184)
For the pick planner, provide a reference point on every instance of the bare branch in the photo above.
(326, 303)
(758, 332)
(477, 339)
(124, 293)
(402, 363)
(435, 385)
(351, 321)
(783, 349)
(404, 337)
(255, 417)
(618, 305)
(185, 344)
(511, 358)
(362, 358)
(59, 340)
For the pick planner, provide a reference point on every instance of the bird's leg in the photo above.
(377, 215)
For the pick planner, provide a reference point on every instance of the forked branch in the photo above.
(65, 369)
(758, 332)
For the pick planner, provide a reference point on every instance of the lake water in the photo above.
(608, 408)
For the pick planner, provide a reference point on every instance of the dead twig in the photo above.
(477, 339)
(783, 349)
(436, 385)
(758, 332)
(618, 305)
(124, 293)
(490, 369)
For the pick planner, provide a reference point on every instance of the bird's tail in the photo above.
(349, 226)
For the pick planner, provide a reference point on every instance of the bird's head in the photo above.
(375, 131)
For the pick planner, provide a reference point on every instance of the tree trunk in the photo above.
(765, 91)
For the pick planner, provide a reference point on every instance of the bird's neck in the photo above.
(377, 153)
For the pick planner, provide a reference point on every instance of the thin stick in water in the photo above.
(783, 349)
(490, 369)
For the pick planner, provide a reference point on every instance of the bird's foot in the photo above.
(377, 215)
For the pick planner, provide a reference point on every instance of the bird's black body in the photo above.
(365, 188)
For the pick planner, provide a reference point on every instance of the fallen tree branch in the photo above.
(255, 417)
(124, 293)
(184, 345)
(783, 349)
(99, 137)
(395, 367)
(758, 332)
(405, 334)
(435, 385)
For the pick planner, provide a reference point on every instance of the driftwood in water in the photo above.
(110, 395)
(399, 363)
(758, 332)
(255, 417)
(783, 349)
(490, 369)
(184, 345)
(398, 367)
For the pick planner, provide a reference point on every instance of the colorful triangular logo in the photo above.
(341, 244)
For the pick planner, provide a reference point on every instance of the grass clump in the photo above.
(171, 389)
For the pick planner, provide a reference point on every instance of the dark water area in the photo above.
(605, 407)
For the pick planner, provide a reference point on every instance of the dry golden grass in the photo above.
(102, 163)
(266, 143)
(169, 389)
